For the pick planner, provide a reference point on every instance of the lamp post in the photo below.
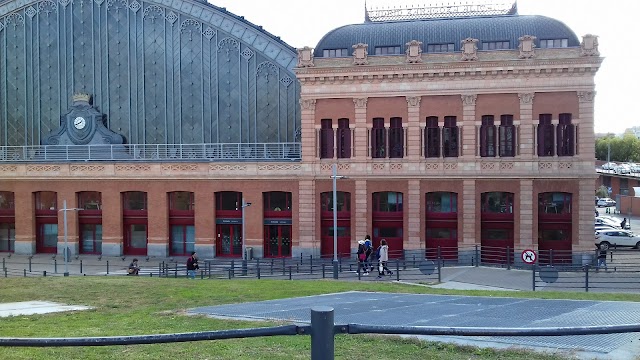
(66, 248)
(244, 251)
(335, 219)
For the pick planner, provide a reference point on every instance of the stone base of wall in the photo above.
(73, 248)
(297, 251)
(110, 249)
(157, 250)
(205, 251)
(24, 247)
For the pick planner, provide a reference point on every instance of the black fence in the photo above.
(322, 331)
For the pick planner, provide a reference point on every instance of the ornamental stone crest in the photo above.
(469, 49)
(414, 52)
(360, 54)
(469, 100)
(308, 104)
(526, 98)
(589, 46)
(305, 57)
(586, 96)
(413, 101)
(360, 102)
(527, 47)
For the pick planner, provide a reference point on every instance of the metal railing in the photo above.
(322, 331)
(159, 152)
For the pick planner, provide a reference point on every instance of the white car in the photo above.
(622, 169)
(606, 239)
(635, 168)
(606, 202)
(601, 227)
(609, 166)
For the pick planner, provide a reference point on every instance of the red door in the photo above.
(392, 232)
(344, 239)
(443, 237)
(554, 243)
(277, 240)
(229, 240)
(497, 242)
(47, 238)
(135, 239)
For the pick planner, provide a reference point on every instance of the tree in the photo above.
(625, 149)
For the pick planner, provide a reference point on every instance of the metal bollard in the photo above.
(44, 273)
(244, 267)
(175, 271)
(508, 258)
(29, 263)
(5, 272)
(107, 267)
(289, 272)
(271, 266)
(414, 260)
(25, 272)
(230, 270)
(322, 333)
(311, 264)
(323, 270)
(586, 278)
(477, 256)
(201, 274)
(258, 268)
(398, 270)
(80, 266)
(55, 266)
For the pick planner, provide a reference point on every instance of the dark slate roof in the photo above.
(442, 31)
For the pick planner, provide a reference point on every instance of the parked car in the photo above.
(601, 221)
(622, 169)
(618, 238)
(606, 202)
(597, 198)
(635, 168)
(609, 166)
(600, 227)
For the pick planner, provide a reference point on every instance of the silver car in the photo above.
(606, 239)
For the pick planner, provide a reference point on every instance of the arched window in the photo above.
(554, 203)
(387, 201)
(442, 202)
(497, 202)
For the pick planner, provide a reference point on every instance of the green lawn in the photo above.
(136, 306)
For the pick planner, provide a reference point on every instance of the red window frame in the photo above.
(326, 139)
(272, 209)
(378, 139)
(507, 136)
(450, 137)
(432, 138)
(344, 204)
(223, 201)
(565, 136)
(343, 138)
(384, 209)
(396, 138)
(545, 136)
(487, 137)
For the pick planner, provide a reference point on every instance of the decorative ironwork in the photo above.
(459, 9)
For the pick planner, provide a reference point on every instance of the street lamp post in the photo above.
(335, 177)
(244, 251)
(66, 248)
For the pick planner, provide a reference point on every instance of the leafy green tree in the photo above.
(625, 149)
(602, 192)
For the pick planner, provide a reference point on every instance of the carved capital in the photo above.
(308, 104)
(589, 46)
(413, 101)
(414, 52)
(526, 98)
(360, 102)
(586, 96)
(469, 49)
(305, 57)
(527, 47)
(469, 99)
(360, 54)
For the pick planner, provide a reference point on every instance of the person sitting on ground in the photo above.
(134, 269)
(192, 265)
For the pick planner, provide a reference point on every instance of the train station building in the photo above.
(168, 127)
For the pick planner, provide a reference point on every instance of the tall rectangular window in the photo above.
(343, 138)
(396, 138)
(432, 137)
(487, 137)
(326, 139)
(566, 136)
(335, 53)
(378, 139)
(450, 137)
(507, 136)
(545, 136)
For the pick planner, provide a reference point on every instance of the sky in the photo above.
(303, 23)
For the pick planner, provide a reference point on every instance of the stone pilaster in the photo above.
(413, 128)
(308, 243)
(585, 239)
(25, 221)
(526, 135)
(112, 227)
(469, 215)
(361, 221)
(308, 133)
(468, 126)
(158, 220)
(414, 218)
(525, 239)
(361, 128)
(204, 224)
(586, 137)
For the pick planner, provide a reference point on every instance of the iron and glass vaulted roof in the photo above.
(446, 31)
(162, 71)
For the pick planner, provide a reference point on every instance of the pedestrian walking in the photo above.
(368, 251)
(383, 258)
(623, 223)
(192, 265)
(362, 256)
(602, 258)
